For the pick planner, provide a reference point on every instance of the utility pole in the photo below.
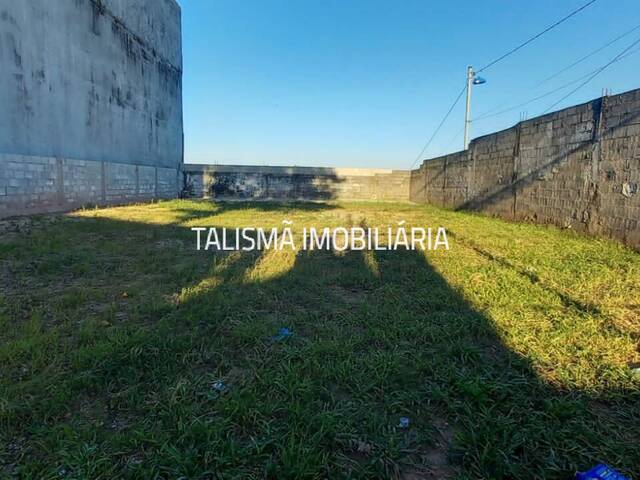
(467, 114)
(472, 80)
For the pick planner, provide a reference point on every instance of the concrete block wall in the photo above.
(491, 172)
(46, 184)
(576, 168)
(617, 158)
(91, 95)
(257, 182)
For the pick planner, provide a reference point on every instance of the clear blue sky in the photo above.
(364, 83)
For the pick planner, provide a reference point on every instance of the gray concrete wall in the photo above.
(257, 182)
(576, 168)
(89, 85)
(31, 184)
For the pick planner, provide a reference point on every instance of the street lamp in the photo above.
(472, 79)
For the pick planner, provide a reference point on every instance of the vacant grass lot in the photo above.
(512, 354)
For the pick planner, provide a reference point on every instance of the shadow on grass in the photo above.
(271, 206)
(567, 301)
(376, 336)
(209, 208)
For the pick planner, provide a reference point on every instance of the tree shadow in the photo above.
(567, 300)
(376, 336)
(231, 205)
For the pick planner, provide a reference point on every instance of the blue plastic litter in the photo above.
(219, 387)
(601, 472)
(216, 390)
(404, 422)
(283, 333)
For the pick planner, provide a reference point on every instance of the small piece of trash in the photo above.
(629, 189)
(283, 334)
(634, 367)
(219, 387)
(601, 472)
(404, 422)
(216, 390)
(362, 447)
(213, 391)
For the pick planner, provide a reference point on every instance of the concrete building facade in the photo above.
(91, 103)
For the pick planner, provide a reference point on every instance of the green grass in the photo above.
(511, 353)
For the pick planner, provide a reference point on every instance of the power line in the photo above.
(535, 37)
(454, 138)
(444, 119)
(510, 52)
(489, 113)
(629, 54)
(551, 92)
(589, 55)
(597, 72)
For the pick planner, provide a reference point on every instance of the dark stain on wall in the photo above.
(136, 50)
(12, 46)
(116, 96)
(39, 75)
(294, 186)
(7, 17)
(254, 182)
(98, 11)
(132, 45)
(170, 78)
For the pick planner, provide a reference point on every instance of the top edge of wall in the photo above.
(539, 118)
(285, 170)
(176, 3)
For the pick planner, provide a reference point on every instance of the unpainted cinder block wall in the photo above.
(576, 168)
(91, 95)
(309, 183)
